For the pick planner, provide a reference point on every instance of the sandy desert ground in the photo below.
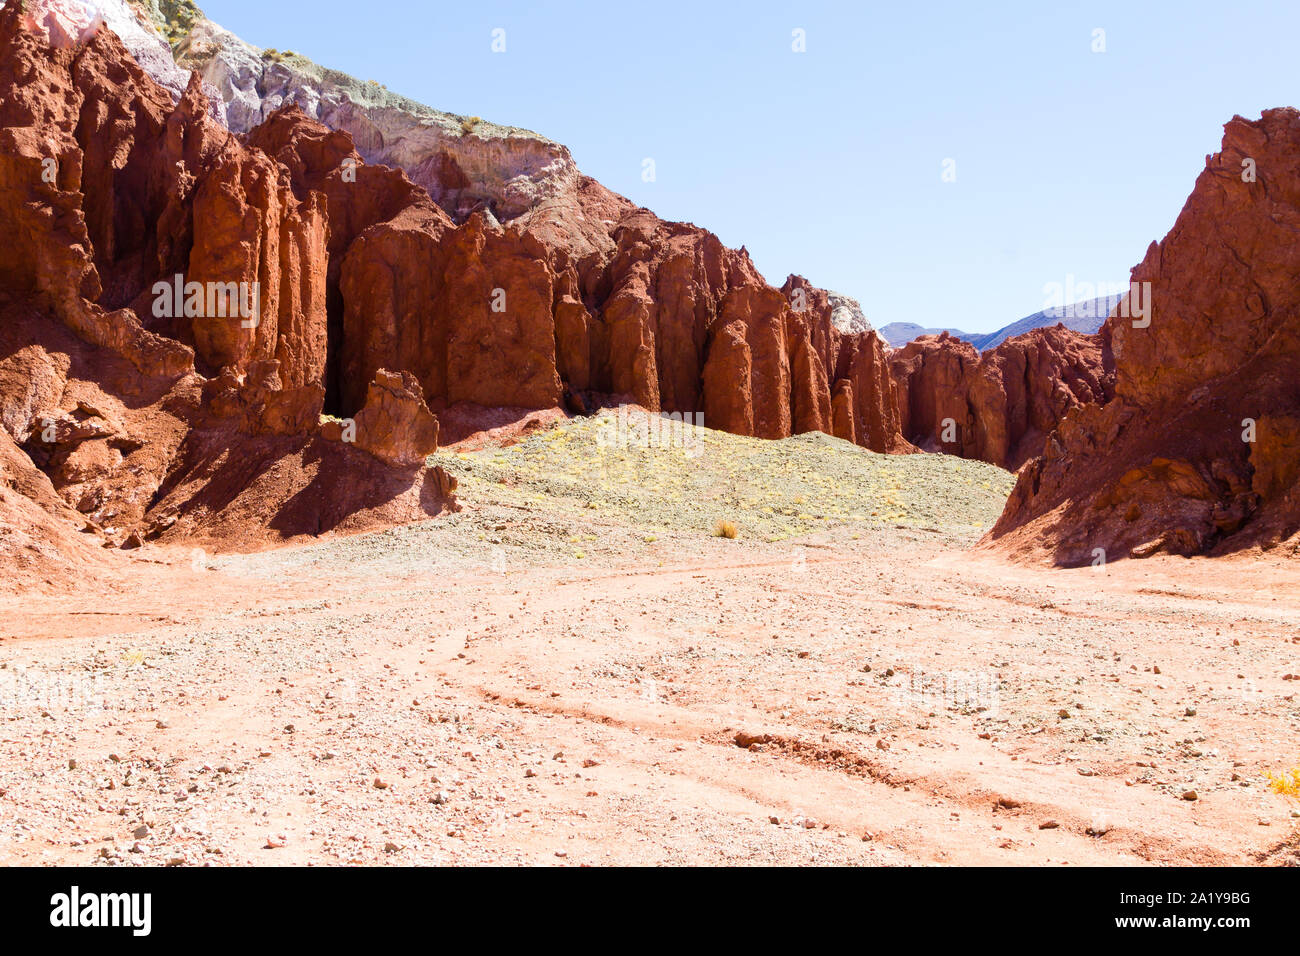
(574, 670)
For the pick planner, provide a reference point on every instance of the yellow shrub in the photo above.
(1288, 784)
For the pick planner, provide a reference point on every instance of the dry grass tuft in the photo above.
(1288, 784)
(724, 529)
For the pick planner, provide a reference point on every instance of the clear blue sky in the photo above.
(828, 163)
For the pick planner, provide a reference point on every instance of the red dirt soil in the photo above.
(368, 702)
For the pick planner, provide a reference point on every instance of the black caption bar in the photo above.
(139, 906)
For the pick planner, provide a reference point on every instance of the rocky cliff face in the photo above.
(1197, 453)
(558, 286)
(164, 293)
(227, 290)
(1000, 405)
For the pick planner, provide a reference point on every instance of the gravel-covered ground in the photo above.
(566, 671)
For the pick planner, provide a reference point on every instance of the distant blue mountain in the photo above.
(1085, 317)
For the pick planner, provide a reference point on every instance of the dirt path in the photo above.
(912, 704)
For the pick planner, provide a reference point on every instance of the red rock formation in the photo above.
(109, 189)
(257, 401)
(661, 314)
(395, 425)
(40, 539)
(498, 289)
(931, 374)
(999, 406)
(48, 255)
(124, 190)
(102, 433)
(1197, 453)
(142, 225)
(401, 225)
(841, 382)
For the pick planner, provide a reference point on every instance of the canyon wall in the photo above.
(190, 309)
(398, 276)
(1199, 451)
(998, 406)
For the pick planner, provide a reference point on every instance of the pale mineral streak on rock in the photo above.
(463, 162)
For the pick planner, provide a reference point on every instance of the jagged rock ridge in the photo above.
(1199, 451)
(998, 406)
(144, 416)
(371, 301)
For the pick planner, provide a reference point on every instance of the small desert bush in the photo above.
(724, 529)
(178, 18)
(1288, 784)
(469, 123)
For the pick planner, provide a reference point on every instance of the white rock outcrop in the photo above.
(846, 314)
(466, 163)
